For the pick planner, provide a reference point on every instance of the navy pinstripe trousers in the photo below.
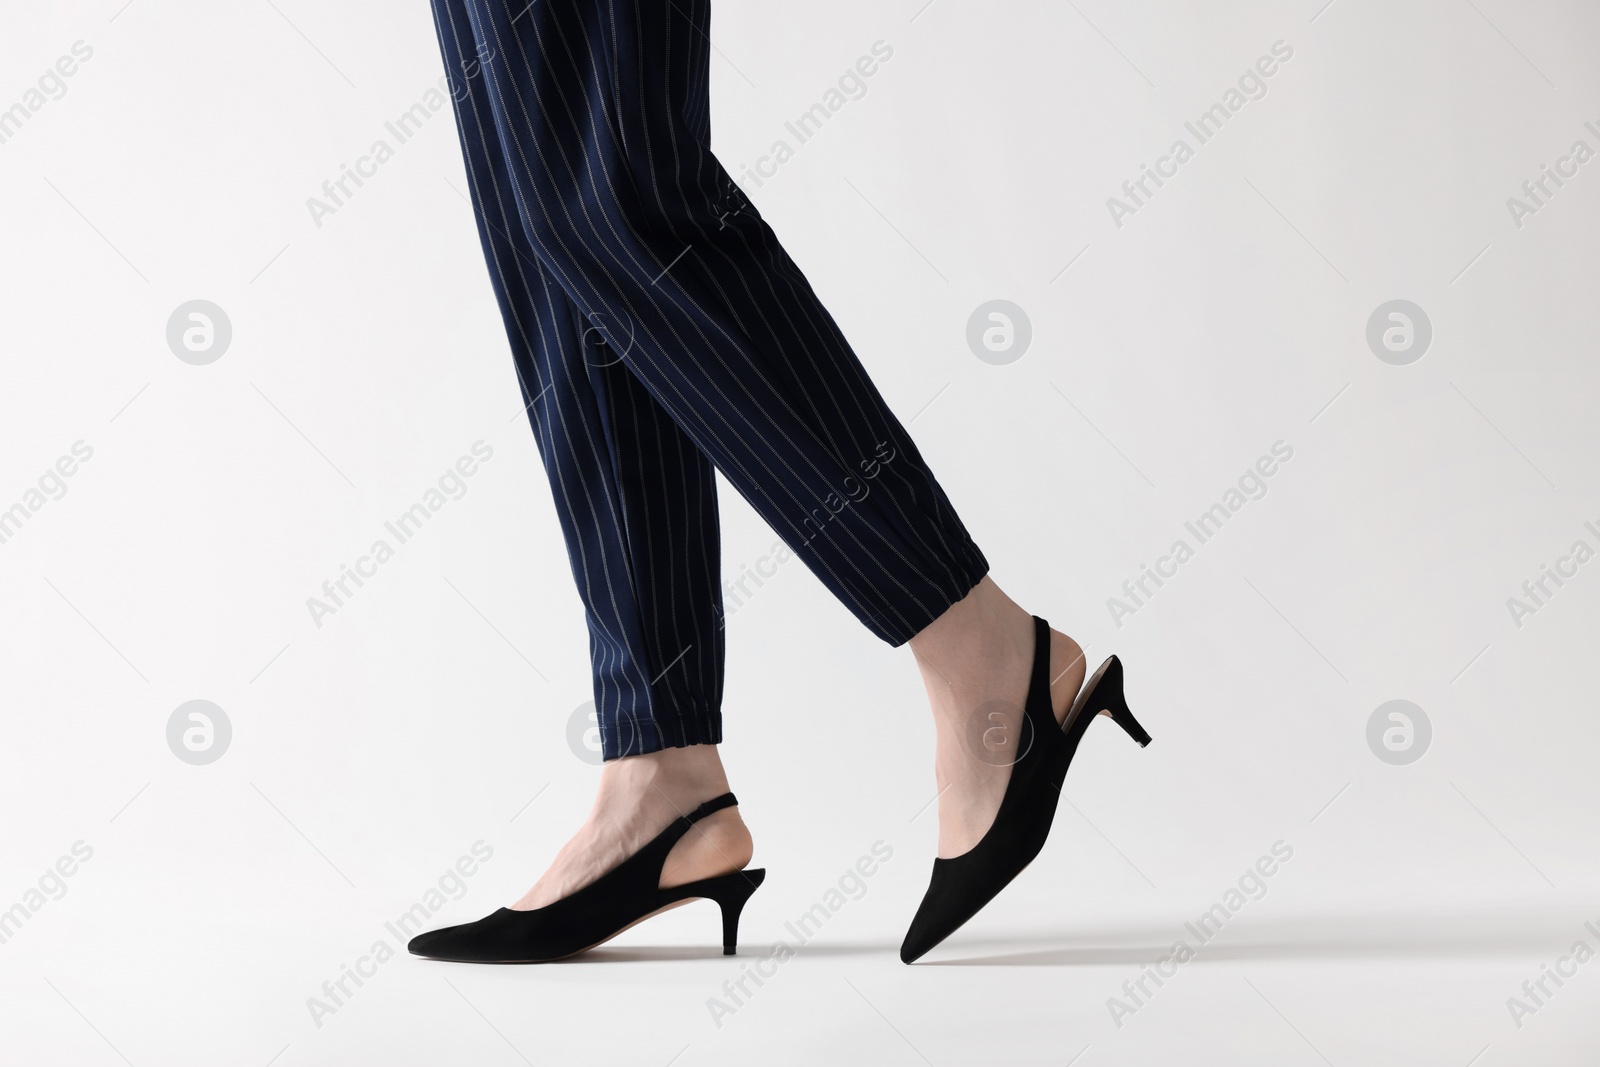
(661, 333)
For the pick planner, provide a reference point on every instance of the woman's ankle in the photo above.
(979, 635)
(681, 778)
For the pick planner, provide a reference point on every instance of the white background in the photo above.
(1227, 314)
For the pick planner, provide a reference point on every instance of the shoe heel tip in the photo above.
(729, 950)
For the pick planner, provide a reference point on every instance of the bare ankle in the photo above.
(979, 640)
(676, 776)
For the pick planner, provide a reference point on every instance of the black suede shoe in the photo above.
(624, 896)
(963, 884)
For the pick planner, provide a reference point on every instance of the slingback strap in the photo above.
(653, 856)
(715, 804)
(1039, 682)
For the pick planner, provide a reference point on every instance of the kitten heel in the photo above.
(1107, 694)
(731, 892)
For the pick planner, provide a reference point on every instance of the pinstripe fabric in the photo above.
(661, 332)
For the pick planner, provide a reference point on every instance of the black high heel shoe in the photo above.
(622, 897)
(963, 884)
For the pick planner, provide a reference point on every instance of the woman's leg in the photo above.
(637, 505)
(635, 498)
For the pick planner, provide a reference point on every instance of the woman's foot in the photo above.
(975, 661)
(639, 797)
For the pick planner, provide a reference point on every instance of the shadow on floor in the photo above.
(1475, 934)
(648, 953)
